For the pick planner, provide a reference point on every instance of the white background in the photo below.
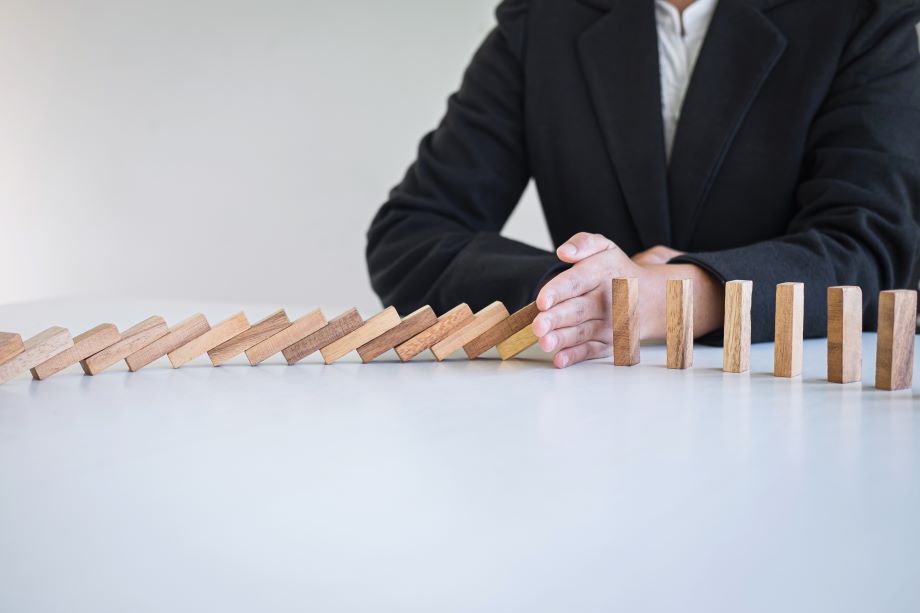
(216, 149)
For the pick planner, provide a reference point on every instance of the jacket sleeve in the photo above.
(436, 240)
(860, 180)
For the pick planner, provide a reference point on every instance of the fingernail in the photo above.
(550, 299)
(569, 250)
(563, 362)
(550, 342)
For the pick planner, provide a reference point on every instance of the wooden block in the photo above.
(736, 351)
(371, 329)
(410, 326)
(844, 334)
(482, 321)
(132, 340)
(10, 346)
(501, 331)
(448, 323)
(217, 335)
(680, 323)
(268, 327)
(179, 335)
(625, 301)
(298, 331)
(85, 345)
(789, 330)
(517, 342)
(897, 320)
(37, 350)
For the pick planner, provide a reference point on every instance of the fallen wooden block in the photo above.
(844, 334)
(447, 324)
(85, 345)
(10, 346)
(268, 327)
(375, 326)
(301, 329)
(179, 335)
(897, 320)
(517, 342)
(217, 335)
(36, 350)
(501, 331)
(411, 325)
(132, 340)
(625, 301)
(680, 323)
(482, 321)
(789, 330)
(736, 351)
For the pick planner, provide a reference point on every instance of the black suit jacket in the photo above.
(797, 155)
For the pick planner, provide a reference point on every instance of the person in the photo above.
(769, 140)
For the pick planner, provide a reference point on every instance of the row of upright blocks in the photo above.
(897, 319)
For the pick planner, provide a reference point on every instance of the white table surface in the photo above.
(461, 486)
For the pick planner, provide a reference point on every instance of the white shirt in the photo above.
(680, 38)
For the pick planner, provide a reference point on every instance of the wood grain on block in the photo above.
(411, 325)
(447, 324)
(217, 335)
(625, 315)
(680, 323)
(482, 321)
(501, 331)
(375, 326)
(736, 352)
(36, 350)
(517, 342)
(179, 335)
(268, 327)
(844, 334)
(301, 329)
(789, 330)
(10, 345)
(132, 340)
(89, 343)
(897, 321)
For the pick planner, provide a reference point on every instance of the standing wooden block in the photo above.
(374, 327)
(448, 323)
(736, 352)
(179, 335)
(897, 320)
(411, 325)
(789, 330)
(10, 346)
(501, 331)
(482, 321)
(219, 334)
(625, 294)
(132, 340)
(680, 323)
(87, 344)
(37, 350)
(299, 330)
(844, 334)
(268, 327)
(517, 342)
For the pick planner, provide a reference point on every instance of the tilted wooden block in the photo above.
(10, 346)
(517, 342)
(132, 340)
(897, 321)
(789, 330)
(447, 324)
(625, 301)
(293, 334)
(371, 329)
(85, 345)
(482, 321)
(217, 335)
(267, 328)
(844, 334)
(680, 323)
(411, 325)
(179, 335)
(501, 331)
(36, 350)
(736, 351)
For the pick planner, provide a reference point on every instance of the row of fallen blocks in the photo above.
(897, 320)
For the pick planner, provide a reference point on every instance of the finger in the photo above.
(569, 313)
(593, 330)
(567, 285)
(583, 245)
(580, 353)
